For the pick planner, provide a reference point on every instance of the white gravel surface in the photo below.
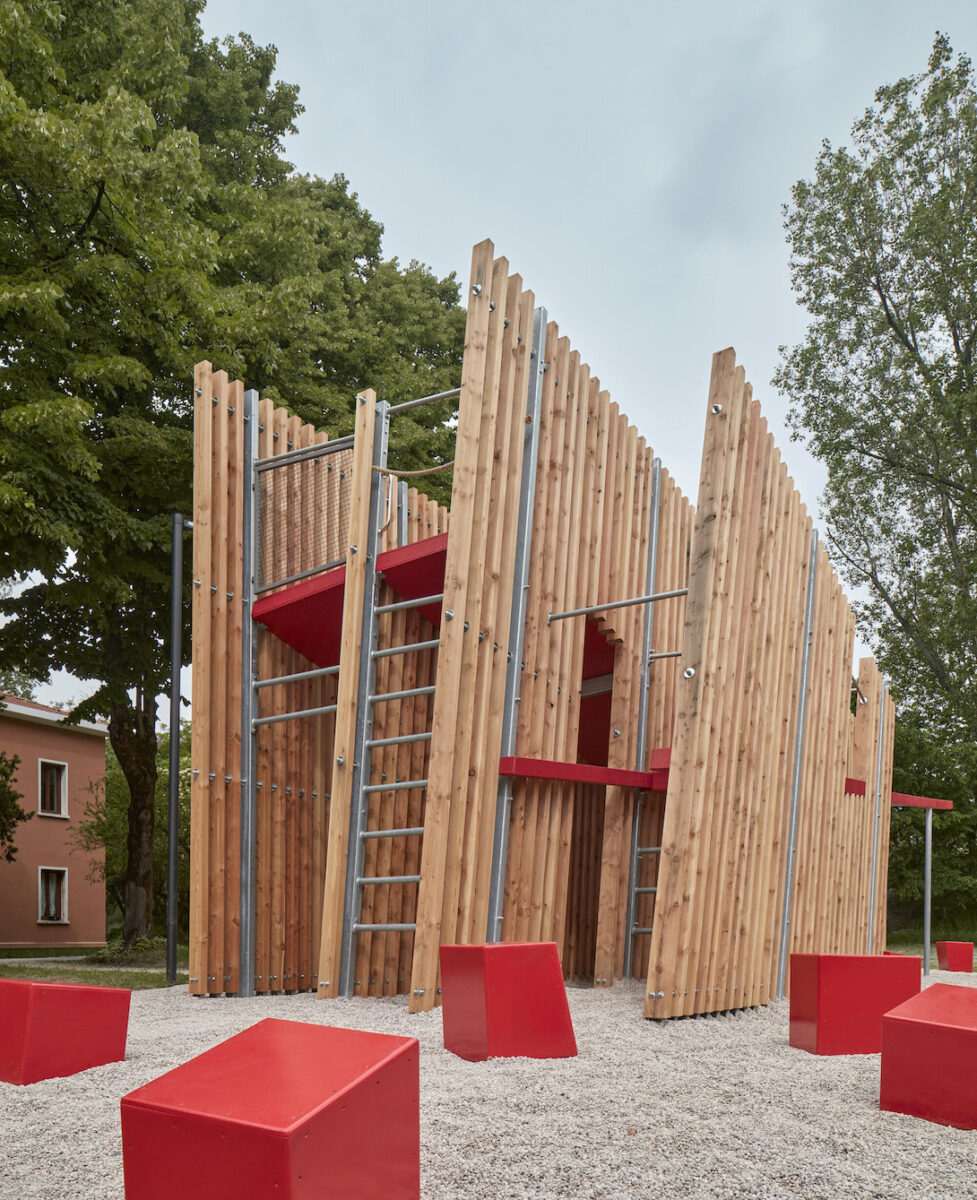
(707, 1106)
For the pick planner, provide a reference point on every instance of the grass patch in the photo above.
(93, 977)
(147, 952)
(79, 952)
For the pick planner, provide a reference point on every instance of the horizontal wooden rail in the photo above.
(541, 768)
(901, 800)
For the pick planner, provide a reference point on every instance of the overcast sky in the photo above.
(629, 159)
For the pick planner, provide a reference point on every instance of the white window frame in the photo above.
(53, 762)
(41, 919)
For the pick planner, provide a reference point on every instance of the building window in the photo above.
(52, 899)
(52, 789)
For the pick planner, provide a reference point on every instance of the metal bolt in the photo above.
(467, 627)
(214, 401)
(420, 991)
(491, 306)
(213, 589)
(196, 583)
(227, 779)
(230, 410)
(196, 771)
(506, 323)
(617, 733)
(688, 673)
(449, 614)
(274, 787)
(212, 775)
(230, 595)
(717, 409)
(340, 760)
(198, 391)
(352, 549)
(476, 289)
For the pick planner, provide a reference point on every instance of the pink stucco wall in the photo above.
(44, 841)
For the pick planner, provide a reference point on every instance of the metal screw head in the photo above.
(617, 733)
(717, 409)
(476, 289)
(449, 614)
(340, 760)
(688, 673)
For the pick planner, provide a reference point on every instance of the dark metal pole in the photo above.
(176, 656)
(927, 889)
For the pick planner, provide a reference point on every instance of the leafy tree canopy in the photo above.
(11, 814)
(884, 388)
(148, 219)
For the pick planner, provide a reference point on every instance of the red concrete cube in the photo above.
(837, 1000)
(49, 1030)
(505, 1001)
(284, 1109)
(929, 1056)
(955, 956)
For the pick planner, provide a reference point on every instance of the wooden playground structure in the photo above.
(571, 708)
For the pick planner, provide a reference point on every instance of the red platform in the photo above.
(505, 1001)
(929, 1056)
(48, 1030)
(837, 1000)
(284, 1109)
(955, 956)
(308, 615)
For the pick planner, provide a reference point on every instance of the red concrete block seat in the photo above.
(49, 1030)
(955, 956)
(505, 1001)
(929, 1056)
(283, 1109)
(837, 1000)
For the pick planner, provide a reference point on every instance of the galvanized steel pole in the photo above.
(927, 889)
(517, 623)
(875, 825)
(249, 699)
(176, 662)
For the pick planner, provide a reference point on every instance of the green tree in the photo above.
(147, 220)
(883, 390)
(11, 814)
(105, 828)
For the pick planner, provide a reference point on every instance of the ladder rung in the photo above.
(431, 645)
(291, 716)
(645, 891)
(385, 608)
(404, 695)
(401, 786)
(368, 880)
(318, 673)
(649, 849)
(402, 740)
(411, 831)
(358, 928)
(641, 929)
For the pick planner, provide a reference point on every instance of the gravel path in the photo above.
(708, 1106)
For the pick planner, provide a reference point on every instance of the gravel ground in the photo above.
(707, 1106)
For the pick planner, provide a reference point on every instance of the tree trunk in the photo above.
(132, 732)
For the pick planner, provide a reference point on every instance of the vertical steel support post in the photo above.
(643, 689)
(875, 824)
(517, 622)
(360, 775)
(795, 786)
(401, 512)
(176, 663)
(927, 889)
(249, 698)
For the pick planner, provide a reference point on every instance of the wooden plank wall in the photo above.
(298, 505)
(721, 882)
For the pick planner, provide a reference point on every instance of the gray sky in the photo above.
(629, 159)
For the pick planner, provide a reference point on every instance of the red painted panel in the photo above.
(955, 956)
(929, 1057)
(854, 787)
(505, 1001)
(284, 1108)
(598, 652)
(837, 1000)
(542, 768)
(51, 1030)
(901, 800)
(308, 615)
(595, 729)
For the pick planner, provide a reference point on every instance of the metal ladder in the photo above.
(364, 742)
(632, 929)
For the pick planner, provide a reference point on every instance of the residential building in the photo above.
(50, 895)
